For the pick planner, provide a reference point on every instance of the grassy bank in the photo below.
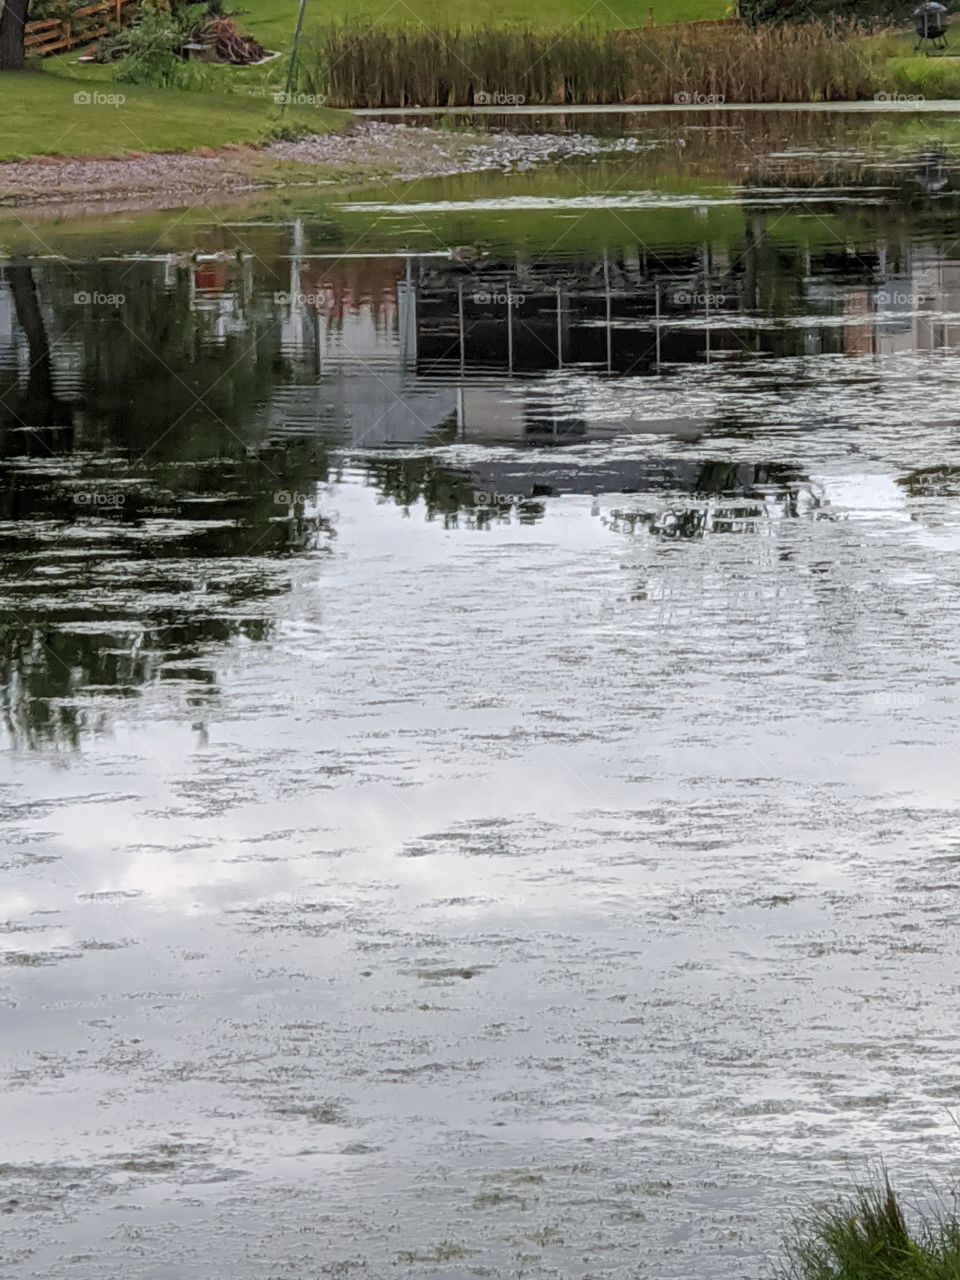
(869, 1238)
(361, 65)
(934, 79)
(42, 113)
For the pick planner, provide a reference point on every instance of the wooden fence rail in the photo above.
(57, 35)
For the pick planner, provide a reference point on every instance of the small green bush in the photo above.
(154, 47)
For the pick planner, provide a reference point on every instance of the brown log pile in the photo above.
(224, 43)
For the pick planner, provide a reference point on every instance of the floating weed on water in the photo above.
(458, 971)
(36, 959)
(328, 1111)
(495, 1196)
(445, 1251)
(507, 1187)
(544, 1237)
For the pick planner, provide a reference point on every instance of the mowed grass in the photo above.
(39, 116)
(273, 21)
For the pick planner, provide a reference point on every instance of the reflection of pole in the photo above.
(296, 303)
(463, 354)
(656, 318)
(317, 359)
(706, 316)
(559, 331)
(707, 268)
(509, 329)
(606, 289)
(407, 318)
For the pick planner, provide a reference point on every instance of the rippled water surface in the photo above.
(480, 710)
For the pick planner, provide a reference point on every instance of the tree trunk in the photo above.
(12, 22)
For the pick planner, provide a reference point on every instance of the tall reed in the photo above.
(360, 64)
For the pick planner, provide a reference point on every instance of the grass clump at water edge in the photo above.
(868, 1237)
(361, 64)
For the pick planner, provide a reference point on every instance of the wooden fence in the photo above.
(57, 35)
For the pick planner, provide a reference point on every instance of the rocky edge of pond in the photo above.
(364, 152)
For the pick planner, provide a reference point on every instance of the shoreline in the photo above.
(365, 152)
(901, 104)
(378, 145)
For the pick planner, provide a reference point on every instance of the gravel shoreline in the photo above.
(366, 151)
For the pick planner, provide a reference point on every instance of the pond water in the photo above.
(479, 790)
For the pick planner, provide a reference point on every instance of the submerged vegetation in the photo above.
(869, 1238)
(359, 64)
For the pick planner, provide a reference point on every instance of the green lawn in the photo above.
(40, 116)
(273, 21)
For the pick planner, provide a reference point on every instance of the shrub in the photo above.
(154, 50)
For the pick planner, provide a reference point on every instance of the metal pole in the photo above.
(293, 55)
(656, 318)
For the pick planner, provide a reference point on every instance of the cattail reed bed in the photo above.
(360, 64)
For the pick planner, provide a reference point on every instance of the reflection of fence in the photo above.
(56, 35)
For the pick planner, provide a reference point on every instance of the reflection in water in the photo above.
(406, 869)
(133, 541)
(168, 425)
(758, 511)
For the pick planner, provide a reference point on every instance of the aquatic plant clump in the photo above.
(360, 64)
(869, 1238)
